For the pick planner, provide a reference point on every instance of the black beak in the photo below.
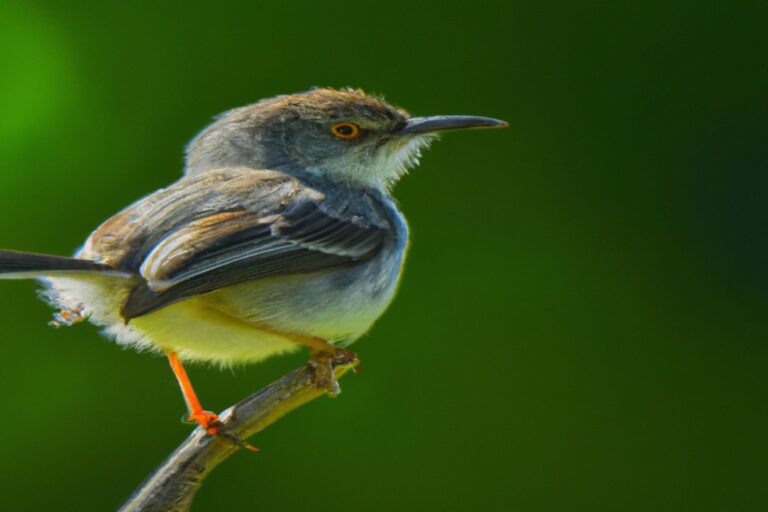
(439, 123)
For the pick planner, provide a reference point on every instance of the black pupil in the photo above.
(344, 129)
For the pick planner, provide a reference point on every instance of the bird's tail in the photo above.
(27, 265)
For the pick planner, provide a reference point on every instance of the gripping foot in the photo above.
(324, 362)
(209, 421)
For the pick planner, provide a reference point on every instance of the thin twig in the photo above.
(172, 486)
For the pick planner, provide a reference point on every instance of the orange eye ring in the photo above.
(346, 130)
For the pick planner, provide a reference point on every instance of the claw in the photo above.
(208, 420)
(211, 423)
(232, 438)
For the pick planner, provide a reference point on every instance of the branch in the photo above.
(172, 486)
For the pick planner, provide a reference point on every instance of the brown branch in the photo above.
(172, 486)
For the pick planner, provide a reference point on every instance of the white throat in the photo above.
(381, 167)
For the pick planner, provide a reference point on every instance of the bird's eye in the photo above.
(346, 130)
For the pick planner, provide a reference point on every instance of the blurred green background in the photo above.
(582, 323)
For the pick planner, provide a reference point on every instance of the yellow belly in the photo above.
(192, 328)
(197, 332)
(238, 324)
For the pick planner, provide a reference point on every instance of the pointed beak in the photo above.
(416, 125)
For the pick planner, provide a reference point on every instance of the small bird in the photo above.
(281, 233)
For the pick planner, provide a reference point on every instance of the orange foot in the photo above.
(211, 423)
(208, 420)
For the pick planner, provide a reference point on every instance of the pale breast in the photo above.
(338, 305)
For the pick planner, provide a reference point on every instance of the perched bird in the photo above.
(282, 233)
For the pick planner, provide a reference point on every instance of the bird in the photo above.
(281, 233)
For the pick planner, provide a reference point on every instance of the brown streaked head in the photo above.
(342, 135)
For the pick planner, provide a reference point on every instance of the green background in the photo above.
(582, 322)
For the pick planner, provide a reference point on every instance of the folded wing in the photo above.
(285, 232)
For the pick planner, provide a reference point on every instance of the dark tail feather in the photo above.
(13, 262)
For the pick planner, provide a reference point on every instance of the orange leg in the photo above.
(208, 420)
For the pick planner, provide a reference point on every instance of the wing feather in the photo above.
(288, 231)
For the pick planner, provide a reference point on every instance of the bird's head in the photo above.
(340, 135)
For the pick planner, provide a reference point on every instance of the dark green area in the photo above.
(582, 324)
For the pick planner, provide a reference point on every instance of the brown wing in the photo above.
(239, 230)
(127, 238)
